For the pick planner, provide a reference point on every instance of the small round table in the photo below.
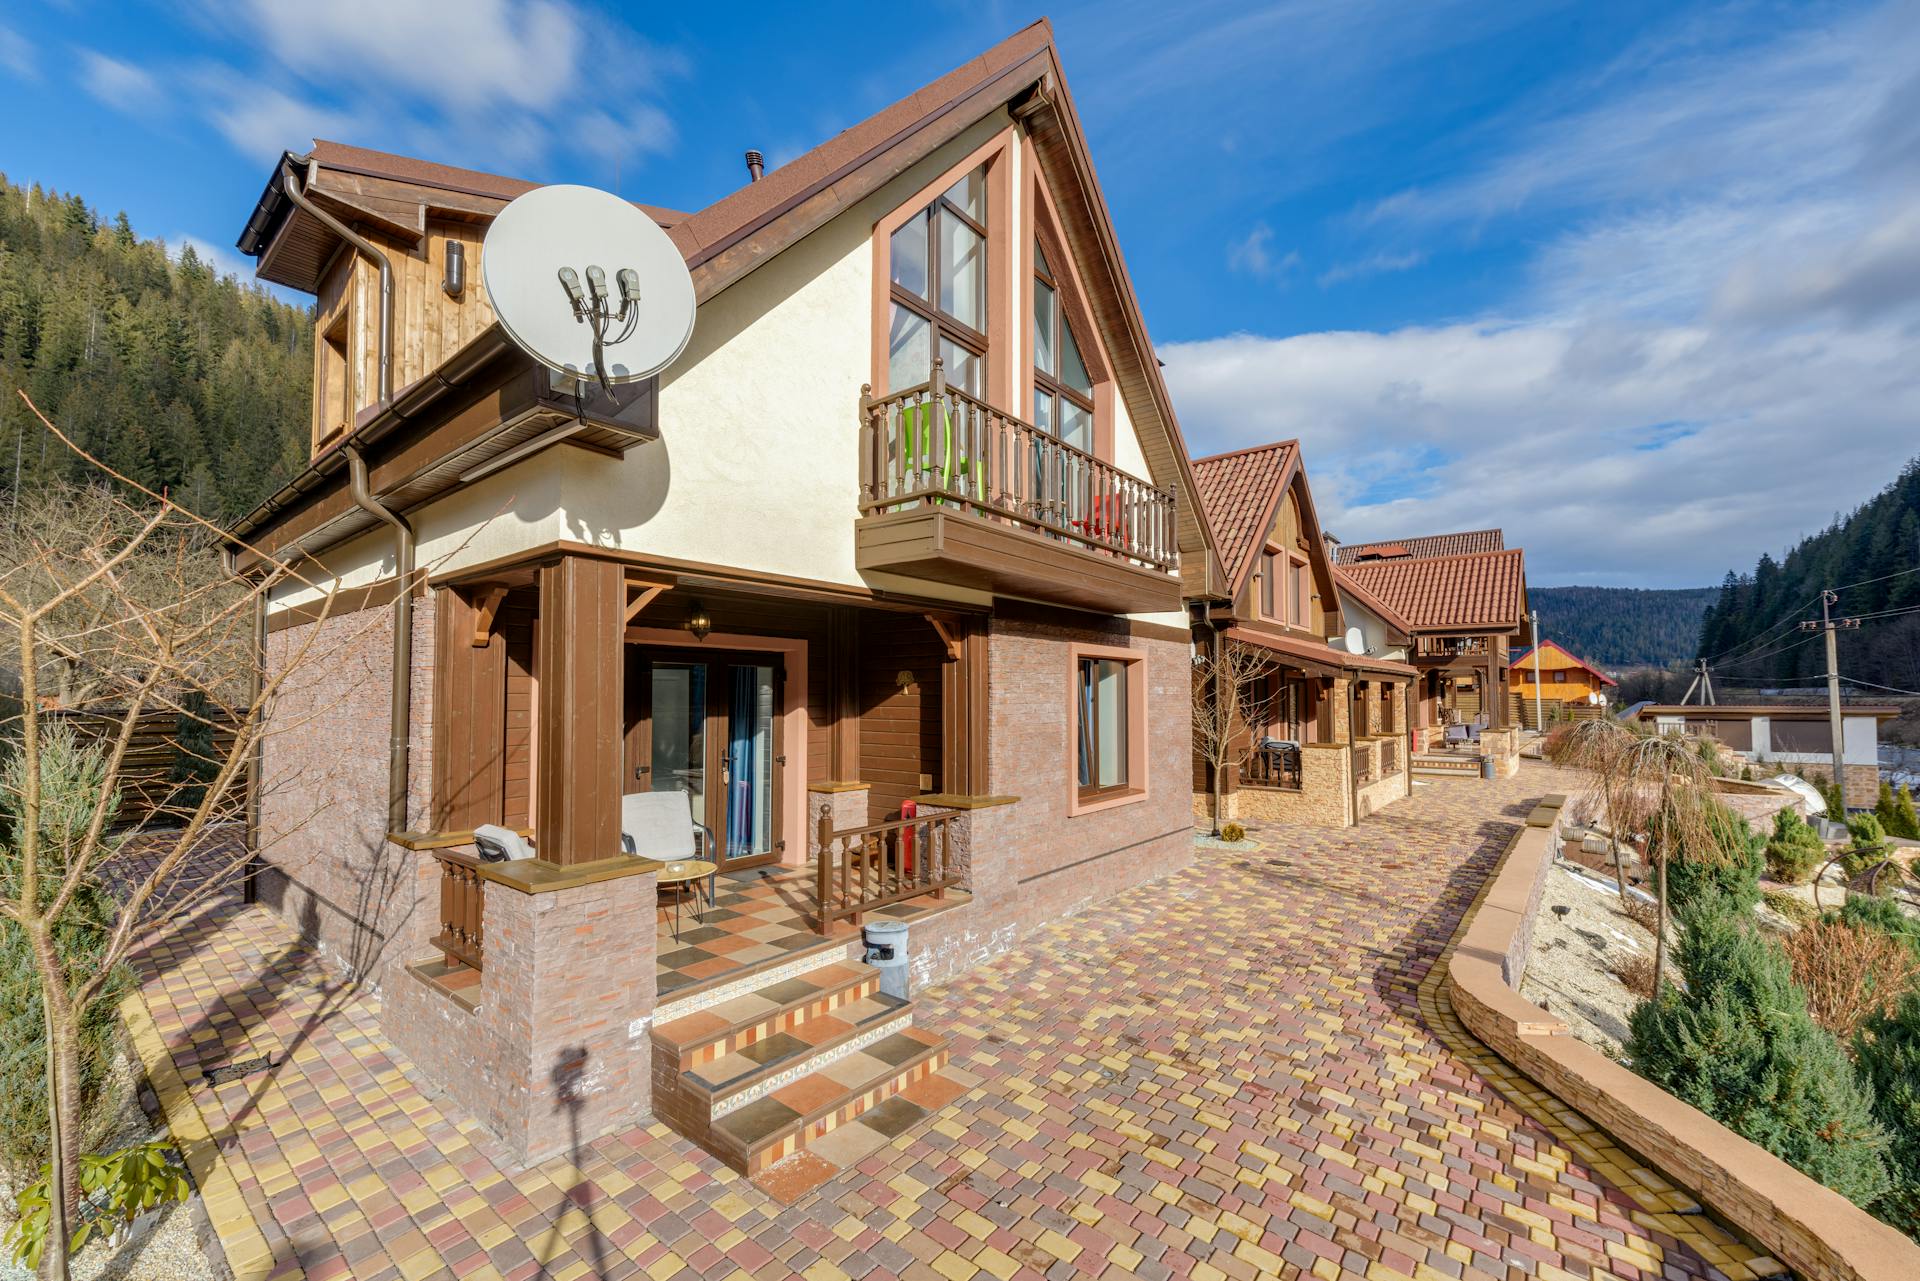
(682, 875)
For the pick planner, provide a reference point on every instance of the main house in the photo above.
(1325, 734)
(884, 576)
(1456, 603)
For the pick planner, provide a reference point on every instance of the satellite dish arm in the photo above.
(295, 193)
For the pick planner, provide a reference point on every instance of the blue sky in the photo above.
(1639, 282)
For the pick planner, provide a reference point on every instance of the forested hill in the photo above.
(1616, 627)
(1871, 558)
(173, 374)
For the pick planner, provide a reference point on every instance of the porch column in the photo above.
(1495, 702)
(963, 708)
(843, 691)
(581, 710)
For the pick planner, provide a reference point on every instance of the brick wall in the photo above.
(1325, 795)
(1030, 863)
(329, 870)
(556, 1051)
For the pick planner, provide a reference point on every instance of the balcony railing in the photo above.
(937, 444)
(1362, 762)
(1451, 647)
(1272, 765)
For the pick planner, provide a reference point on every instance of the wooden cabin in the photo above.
(1326, 740)
(1557, 675)
(895, 678)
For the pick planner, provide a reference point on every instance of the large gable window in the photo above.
(1062, 388)
(938, 289)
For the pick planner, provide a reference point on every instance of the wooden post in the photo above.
(581, 709)
(843, 686)
(963, 708)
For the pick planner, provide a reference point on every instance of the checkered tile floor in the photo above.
(758, 917)
(1243, 1071)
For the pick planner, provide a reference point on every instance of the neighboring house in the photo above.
(1560, 677)
(1473, 540)
(1456, 613)
(1796, 738)
(1328, 740)
(940, 683)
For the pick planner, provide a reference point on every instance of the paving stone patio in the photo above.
(1241, 1071)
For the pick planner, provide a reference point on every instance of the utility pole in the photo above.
(1832, 627)
(1702, 681)
(1539, 722)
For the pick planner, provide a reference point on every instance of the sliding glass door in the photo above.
(710, 728)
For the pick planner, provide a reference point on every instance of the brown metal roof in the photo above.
(1518, 659)
(1484, 590)
(1239, 493)
(1461, 544)
(1317, 653)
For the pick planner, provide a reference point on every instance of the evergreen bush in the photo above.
(1906, 823)
(1887, 1053)
(1795, 851)
(1740, 1045)
(1731, 870)
(1882, 914)
(70, 779)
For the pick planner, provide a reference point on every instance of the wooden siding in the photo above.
(469, 694)
(516, 623)
(900, 701)
(428, 326)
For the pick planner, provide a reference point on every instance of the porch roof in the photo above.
(1317, 654)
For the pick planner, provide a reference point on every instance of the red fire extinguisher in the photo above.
(907, 810)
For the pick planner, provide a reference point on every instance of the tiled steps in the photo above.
(758, 1073)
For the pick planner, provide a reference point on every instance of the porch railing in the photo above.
(937, 444)
(1362, 762)
(462, 908)
(1272, 767)
(1389, 756)
(864, 868)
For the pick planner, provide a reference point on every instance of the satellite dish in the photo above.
(588, 285)
(1356, 641)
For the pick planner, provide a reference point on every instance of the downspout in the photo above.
(1219, 770)
(298, 195)
(401, 718)
(256, 761)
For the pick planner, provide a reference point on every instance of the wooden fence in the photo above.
(148, 792)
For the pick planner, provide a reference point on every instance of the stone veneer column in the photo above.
(555, 1050)
(845, 803)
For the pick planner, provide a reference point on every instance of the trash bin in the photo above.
(887, 952)
(1486, 767)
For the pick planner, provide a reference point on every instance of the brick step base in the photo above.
(1446, 765)
(756, 1073)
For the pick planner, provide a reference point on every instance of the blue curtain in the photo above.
(742, 839)
(1086, 724)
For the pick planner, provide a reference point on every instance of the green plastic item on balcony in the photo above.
(948, 462)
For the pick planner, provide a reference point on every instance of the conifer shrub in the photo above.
(1795, 851)
(1740, 1045)
(1883, 915)
(1887, 1054)
(1731, 870)
(1905, 822)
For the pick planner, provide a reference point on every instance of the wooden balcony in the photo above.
(956, 491)
(1451, 647)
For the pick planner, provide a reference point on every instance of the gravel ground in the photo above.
(164, 1250)
(1569, 970)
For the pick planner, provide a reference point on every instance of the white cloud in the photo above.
(263, 122)
(1253, 255)
(17, 55)
(1714, 354)
(1378, 264)
(224, 260)
(120, 85)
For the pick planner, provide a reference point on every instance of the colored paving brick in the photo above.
(1245, 1070)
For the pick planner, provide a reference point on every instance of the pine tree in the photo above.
(1887, 1051)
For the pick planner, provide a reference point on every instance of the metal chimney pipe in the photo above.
(756, 165)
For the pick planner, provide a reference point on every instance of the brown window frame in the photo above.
(1135, 739)
(1269, 593)
(1048, 381)
(335, 390)
(939, 324)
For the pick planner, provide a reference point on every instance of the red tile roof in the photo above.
(1481, 590)
(1461, 544)
(1238, 493)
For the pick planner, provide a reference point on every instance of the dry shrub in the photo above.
(1642, 913)
(1635, 973)
(1849, 972)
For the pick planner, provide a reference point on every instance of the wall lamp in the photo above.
(698, 622)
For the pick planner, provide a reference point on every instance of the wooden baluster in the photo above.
(866, 442)
(823, 869)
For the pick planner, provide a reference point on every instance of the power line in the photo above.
(1768, 653)
(1791, 619)
(1854, 680)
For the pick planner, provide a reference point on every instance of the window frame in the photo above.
(1134, 666)
(940, 324)
(1049, 382)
